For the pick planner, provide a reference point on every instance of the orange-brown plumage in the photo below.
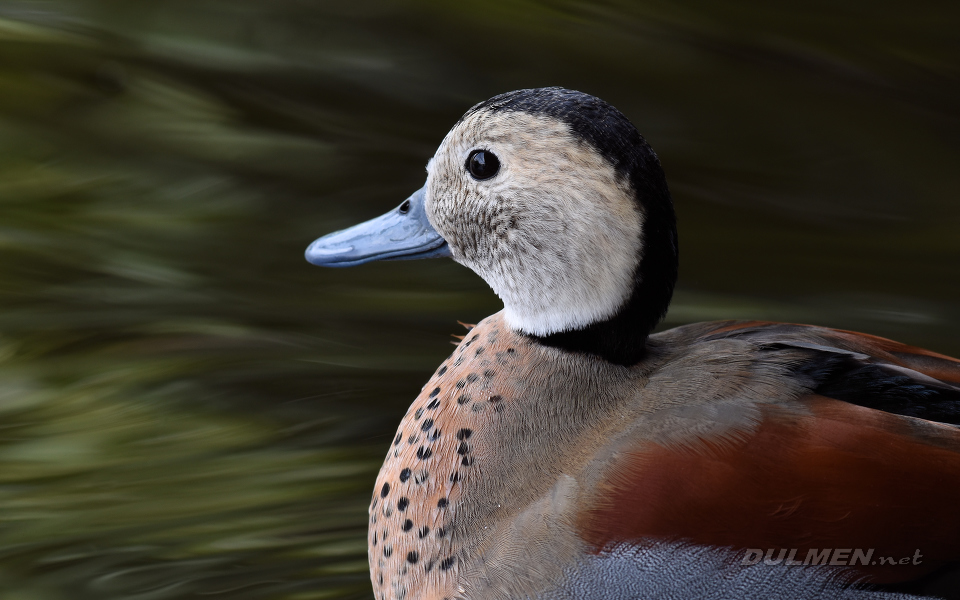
(819, 474)
(431, 458)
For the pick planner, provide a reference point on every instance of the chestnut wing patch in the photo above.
(819, 473)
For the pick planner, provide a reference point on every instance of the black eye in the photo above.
(483, 164)
(405, 207)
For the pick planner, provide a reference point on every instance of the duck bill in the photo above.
(404, 233)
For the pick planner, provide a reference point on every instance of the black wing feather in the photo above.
(861, 369)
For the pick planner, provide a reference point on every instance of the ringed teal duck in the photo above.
(562, 451)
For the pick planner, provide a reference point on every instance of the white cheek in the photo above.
(571, 259)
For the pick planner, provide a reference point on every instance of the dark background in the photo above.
(188, 409)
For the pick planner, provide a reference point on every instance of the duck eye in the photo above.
(483, 164)
(405, 207)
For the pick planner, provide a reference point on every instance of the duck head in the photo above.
(558, 203)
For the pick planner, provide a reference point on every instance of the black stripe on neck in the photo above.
(622, 338)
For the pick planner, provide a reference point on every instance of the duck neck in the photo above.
(606, 340)
(622, 338)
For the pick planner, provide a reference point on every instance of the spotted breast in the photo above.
(485, 449)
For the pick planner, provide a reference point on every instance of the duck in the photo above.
(563, 450)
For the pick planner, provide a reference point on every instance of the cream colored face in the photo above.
(555, 232)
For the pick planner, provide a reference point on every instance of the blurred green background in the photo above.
(188, 409)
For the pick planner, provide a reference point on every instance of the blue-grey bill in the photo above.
(404, 233)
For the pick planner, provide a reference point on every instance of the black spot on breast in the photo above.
(479, 351)
(464, 434)
(423, 531)
(472, 377)
(388, 551)
(442, 503)
(407, 525)
(413, 557)
(396, 441)
(412, 439)
(402, 504)
(404, 475)
(424, 453)
(461, 384)
(454, 477)
(458, 362)
(435, 435)
(447, 563)
(385, 490)
(441, 532)
(475, 336)
(496, 398)
(426, 425)
(418, 414)
(510, 350)
(435, 391)
(488, 373)
(373, 540)
(467, 461)
(463, 448)
(441, 371)
(434, 403)
(421, 476)
(463, 399)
